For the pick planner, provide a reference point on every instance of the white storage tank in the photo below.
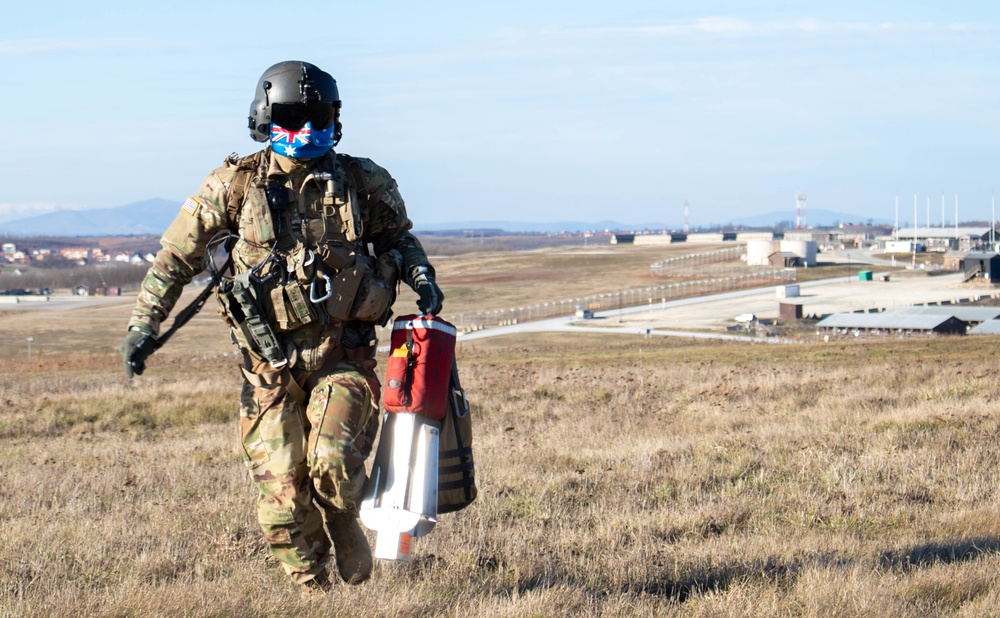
(759, 250)
(805, 249)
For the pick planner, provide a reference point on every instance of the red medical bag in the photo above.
(419, 368)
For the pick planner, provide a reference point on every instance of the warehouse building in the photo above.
(937, 239)
(891, 324)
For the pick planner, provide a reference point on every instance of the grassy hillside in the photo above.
(645, 477)
(618, 476)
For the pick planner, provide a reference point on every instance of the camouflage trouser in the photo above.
(307, 461)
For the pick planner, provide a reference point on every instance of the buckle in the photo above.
(290, 266)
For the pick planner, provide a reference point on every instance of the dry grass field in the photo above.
(618, 477)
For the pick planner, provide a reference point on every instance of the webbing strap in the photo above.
(245, 169)
(465, 484)
(464, 451)
(411, 363)
(293, 387)
(283, 378)
(462, 467)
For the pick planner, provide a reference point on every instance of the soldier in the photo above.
(318, 241)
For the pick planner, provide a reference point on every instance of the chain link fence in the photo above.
(653, 295)
(694, 263)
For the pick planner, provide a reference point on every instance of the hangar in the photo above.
(891, 324)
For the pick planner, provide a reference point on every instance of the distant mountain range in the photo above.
(152, 217)
(822, 218)
(146, 218)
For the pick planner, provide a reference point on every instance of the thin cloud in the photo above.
(732, 27)
(35, 47)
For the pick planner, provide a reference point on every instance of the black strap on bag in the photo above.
(411, 366)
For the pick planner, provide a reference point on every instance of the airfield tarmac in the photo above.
(817, 298)
(710, 316)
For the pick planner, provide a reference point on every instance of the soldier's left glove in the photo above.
(133, 350)
(427, 289)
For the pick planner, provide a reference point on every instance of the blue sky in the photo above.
(527, 111)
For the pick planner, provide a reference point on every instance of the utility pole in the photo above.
(895, 232)
(800, 211)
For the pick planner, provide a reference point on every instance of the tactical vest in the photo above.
(300, 258)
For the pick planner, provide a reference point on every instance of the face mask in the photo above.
(306, 143)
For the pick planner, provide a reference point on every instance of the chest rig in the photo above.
(300, 258)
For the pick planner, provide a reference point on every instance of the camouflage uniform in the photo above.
(299, 240)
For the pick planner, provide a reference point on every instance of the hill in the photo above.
(148, 217)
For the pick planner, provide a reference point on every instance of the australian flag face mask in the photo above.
(305, 143)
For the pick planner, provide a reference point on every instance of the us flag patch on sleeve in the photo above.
(190, 206)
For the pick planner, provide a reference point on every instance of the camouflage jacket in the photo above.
(298, 223)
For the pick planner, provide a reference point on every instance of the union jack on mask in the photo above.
(306, 143)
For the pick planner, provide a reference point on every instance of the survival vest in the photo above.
(300, 256)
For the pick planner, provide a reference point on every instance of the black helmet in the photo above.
(290, 94)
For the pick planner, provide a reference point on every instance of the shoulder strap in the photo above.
(245, 171)
(357, 173)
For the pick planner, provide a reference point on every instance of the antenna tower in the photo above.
(800, 211)
(685, 216)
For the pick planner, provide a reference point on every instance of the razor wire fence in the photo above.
(653, 295)
(694, 263)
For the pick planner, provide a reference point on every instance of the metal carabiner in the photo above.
(312, 289)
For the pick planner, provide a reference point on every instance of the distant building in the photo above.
(781, 253)
(942, 239)
(659, 239)
(75, 253)
(785, 259)
(891, 324)
(981, 267)
(904, 246)
(954, 260)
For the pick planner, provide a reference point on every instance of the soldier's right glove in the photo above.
(137, 345)
(427, 289)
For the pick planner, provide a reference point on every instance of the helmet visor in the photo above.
(294, 116)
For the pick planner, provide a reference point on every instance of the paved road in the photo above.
(51, 303)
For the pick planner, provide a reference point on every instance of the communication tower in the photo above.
(800, 211)
(685, 216)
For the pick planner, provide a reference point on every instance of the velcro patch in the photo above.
(190, 206)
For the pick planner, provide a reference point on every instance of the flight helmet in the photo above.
(297, 107)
